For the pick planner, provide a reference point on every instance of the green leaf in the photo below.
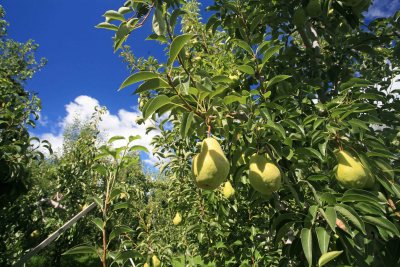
(269, 53)
(154, 104)
(81, 250)
(119, 206)
(234, 98)
(243, 45)
(363, 196)
(383, 223)
(174, 16)
(133, 138)
(176, 46)
(124, 255)
(98, 201)
(327, 257)
(116, 138)
(138, 77)
(99, 223)
(277, 79)
(246, 69)
(115, 192)
(100, 168)
(312, 213)
(262, 47)
(107, 26)
(358, 123)
(138, 147)
(158, 23)
(350, 214)
(221, 79)
(112, 14)
(323, 239)
(308, 151)
(186, 123)
(330, 216)
(119, 230)
(152, 84)
(306, 242)
(120, 36)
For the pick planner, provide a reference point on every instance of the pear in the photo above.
(177, 219)
(156, 261)
(35, 234)
(228, 190)
(194, 165)
(350, 172)
(146, 265)
(264, 175)
(210, 167)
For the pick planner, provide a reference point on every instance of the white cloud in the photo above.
(123, 123)
(382, 8)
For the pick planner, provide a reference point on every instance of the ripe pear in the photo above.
(264, 175)
(146, 265)
(210, 167)
(194, 165)
(228, 190)
(35, 234)
(350, 172)
(177, 219)
(156, 261)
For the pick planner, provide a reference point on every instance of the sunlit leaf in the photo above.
(176, 46)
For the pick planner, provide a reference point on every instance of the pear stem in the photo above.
(208, 122)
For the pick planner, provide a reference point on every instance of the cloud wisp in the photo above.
(382, 8)
(123, 124)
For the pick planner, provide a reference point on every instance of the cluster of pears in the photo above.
(211, 168)
(351, 173)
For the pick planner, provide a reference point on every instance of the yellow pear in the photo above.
(350, 172)
(210, 167)
(35, 234)
(228, 190)
(156, 261)
(146, 265)
(177, 219)
(194, 165)
(264, 175)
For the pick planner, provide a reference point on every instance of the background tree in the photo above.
(19, 109)
(299, 82)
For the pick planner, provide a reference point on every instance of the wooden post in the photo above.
(54, 235)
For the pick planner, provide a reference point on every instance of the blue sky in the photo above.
(82, 70)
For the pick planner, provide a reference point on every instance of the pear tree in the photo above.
(294, 105)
